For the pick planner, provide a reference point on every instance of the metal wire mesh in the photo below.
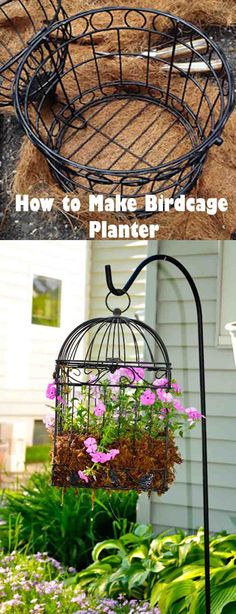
(106, 360)
(20, 22)
(133, 115)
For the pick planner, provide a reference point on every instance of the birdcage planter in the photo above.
(133, 113)
(117, 408)
(20, 23)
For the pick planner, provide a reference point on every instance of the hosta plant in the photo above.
(168, 570)
(120, 433)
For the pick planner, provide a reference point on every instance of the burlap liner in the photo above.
(34, 177)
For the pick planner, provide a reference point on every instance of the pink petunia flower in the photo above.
(165, 397)
(114, 378)
(113, 453)
(178, 406)
(83, 476)
(51, 391)
(92, 449)
(148, 397)
(89, 442)
(163, 381)
(193, 414)
(100, 409)
(61, 400)
(49, 421)
(134, 374)
(100, 457)
(176, 387)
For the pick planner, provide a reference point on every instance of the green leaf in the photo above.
(220, 597)
(179, 589)
(141, 552)
(110, 544)
(144, 530)
(137, 578)
(156, 593)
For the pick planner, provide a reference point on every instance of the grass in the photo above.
(38, 454)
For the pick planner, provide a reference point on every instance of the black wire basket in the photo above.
(142, 97)
(20, 22)
(108, 363)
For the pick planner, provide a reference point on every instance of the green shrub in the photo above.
(168, 570)
(66, 526)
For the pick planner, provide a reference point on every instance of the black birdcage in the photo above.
(141, 99)
(103, 367)
(21, 22)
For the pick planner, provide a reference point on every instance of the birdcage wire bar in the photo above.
(20, 23)
(114, 121)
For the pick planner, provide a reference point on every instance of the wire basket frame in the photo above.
(120, 358)
(20, 22)
(133, 115)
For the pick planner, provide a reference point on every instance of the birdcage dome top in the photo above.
(114, 342)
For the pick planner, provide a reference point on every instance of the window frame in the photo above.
(60, 288)
(223, 340)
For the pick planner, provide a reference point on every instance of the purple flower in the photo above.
(148, 397)
(100, 409)
(89, 442)
(113, 453)
(114, 378)
(178, 406)
(61, 400)
(163, 381)
(165, 397)
(51, 391)
(134, 374)
(83, 476)
(92, 449)
(100, 457)
(176, 387)
(49, 421)
(193, 414)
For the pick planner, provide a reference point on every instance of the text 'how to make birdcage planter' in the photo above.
(142, 97)
(117, 408)
(21, 21)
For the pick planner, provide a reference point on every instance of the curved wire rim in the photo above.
(201, 148)
(17, 57)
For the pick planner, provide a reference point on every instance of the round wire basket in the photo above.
(20, 22)
(142, 97)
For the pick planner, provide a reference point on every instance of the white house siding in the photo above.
(176, 323)
(28, 351)
(124, 257)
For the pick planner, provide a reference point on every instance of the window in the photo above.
(40, 433)
(46, 301)
(227, 293)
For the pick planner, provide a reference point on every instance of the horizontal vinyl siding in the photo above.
(28, 351)
(124, 257)
(176, 323)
